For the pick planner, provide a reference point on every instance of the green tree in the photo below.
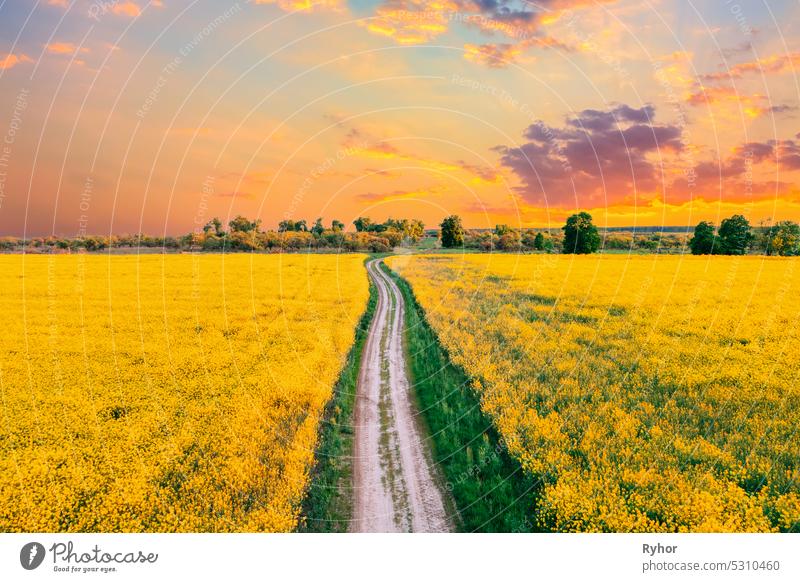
(377, 227)
(213, 243)
(452, 232)
(538, 241)
(214, 224)
(501, 229)
(415, 229)
(337, 226)
(509, 241)
(647, 242)
(734, 236)
(412, 229)
(362, 224)
(94, 243)
(704, 239)
(242, 224)
(580, 235)
(783, 238)
(318, 228)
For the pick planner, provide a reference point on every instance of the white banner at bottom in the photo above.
(415, 557)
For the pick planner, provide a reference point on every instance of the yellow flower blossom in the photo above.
(648, 393)
(167, 393)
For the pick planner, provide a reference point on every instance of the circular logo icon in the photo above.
(31, 555)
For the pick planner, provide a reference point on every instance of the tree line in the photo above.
(244, 234)
(735, 236)
(579, 235)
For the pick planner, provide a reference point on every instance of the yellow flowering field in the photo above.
(644, 393)
(167, 393)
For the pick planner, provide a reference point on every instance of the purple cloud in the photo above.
(596, 158)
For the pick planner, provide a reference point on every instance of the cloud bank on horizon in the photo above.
(128, 116)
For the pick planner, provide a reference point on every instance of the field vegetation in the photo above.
(328, 506)
(168, 393)
(489, 488)
(241, 235)
(643, 393)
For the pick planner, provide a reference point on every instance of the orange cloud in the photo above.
(476, 175)
(403, 194)
(411, 21)
(745, 176)
(753, 106)
(419, 21)
(305, 5)
(361, 143)
(480, 174)
(773, 64)
(9, 61)
(390, 174)
(499, 55)
(495, 56)
(126, 9)
(64, 48)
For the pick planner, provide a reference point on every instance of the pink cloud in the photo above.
(10, 61)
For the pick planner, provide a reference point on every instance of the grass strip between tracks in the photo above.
(491, 491)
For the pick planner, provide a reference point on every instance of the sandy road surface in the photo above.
(394, 485)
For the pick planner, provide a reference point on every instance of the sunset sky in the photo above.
(123, 116)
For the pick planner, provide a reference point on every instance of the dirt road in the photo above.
(394, 485)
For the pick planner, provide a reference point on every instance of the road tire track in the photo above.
(395, 487)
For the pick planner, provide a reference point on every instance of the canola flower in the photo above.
(644, 393)
(167, 393)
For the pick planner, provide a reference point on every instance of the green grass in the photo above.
(489, 488)
(328, 503)
(426, 244)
